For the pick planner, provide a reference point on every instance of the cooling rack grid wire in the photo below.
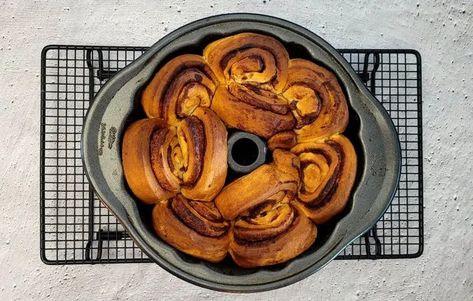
(77, 228)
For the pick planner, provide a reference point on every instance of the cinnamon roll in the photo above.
(178, 88)
(214, 160)
(136, 160)
(328, 171)
(255, 187)
(193, 157)
(195, 228)
(177, 159)
(252, 70)
(249, 59)
(271, 233)
(316, 100)
(268, 229)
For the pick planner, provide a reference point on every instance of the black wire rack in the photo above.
(77, 228)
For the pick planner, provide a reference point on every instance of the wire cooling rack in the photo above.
(77, 228)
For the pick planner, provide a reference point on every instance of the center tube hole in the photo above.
(245, 151)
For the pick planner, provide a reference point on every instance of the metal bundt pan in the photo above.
(370, 129)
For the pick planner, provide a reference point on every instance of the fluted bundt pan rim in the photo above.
(107, 118)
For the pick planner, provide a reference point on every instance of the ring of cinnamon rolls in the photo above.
(176, 158)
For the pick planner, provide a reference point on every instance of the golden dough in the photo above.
(177, 159)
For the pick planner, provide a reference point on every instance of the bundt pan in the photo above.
(370, 129)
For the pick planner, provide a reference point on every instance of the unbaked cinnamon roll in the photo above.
(195, 228)
(328, 171)
(316, 100)
(178, 88)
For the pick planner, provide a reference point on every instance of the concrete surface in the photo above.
(441, 30)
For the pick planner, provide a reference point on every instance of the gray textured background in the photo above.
(441, 30)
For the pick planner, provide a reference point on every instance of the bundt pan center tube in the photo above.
(117, 105)
(246, 152)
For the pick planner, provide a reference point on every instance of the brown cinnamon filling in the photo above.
(304, 164)
(331, 86)
(194, 134)
(197, 222)
(193, 94)
(170, 89)
(157, 140)
(208, 210)
(254, 239)
(332, 184)
(266, 220)
(306, 108)
(198, 78)
(225, 60)
(259, 98)
(257, 210)
(251, 63)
